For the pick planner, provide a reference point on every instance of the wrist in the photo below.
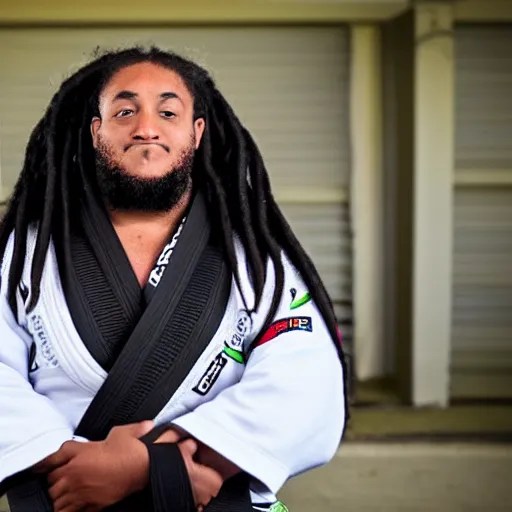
(141, 466)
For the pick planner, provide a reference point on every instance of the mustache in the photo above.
(128, 146)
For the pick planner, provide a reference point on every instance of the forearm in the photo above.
(32, 428)
(205, 455)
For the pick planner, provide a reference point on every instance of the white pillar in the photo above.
(366, 200)
(433, 203)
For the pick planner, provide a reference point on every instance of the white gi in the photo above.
(278, 415)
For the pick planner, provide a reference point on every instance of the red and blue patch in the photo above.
(296, 323)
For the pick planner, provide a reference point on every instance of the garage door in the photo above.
(482, 289)
(289, 86)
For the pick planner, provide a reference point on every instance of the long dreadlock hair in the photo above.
(229, 170)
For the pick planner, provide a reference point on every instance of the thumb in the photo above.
(188, 448)
(136, 429)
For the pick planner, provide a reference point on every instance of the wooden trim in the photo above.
(482, 177)
(482, 11)
(37, 12)
(311, 195)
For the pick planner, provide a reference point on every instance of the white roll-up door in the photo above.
(289, 86)
(482, 285)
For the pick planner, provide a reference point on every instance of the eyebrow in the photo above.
(130, 95)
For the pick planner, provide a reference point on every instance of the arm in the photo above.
(286, 415)
(31, 428)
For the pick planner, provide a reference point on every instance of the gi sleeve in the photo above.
(31, 428)
(287, 413)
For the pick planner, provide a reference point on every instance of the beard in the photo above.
(123, 191)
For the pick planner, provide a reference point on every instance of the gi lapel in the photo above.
(175, 328)
(179, 322)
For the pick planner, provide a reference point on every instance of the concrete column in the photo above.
(366, 200)
(432, 203)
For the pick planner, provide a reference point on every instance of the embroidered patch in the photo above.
(297, 303)
(300, 301)
(234, 345)
(211, 375)
(43, 344)
(234, 354)
(298, 323)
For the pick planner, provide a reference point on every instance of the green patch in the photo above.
(297, 303)
(278, 506)
(234, 354)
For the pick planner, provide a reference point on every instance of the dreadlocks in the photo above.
(229, 169)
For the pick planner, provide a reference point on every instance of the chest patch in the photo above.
(211, 375)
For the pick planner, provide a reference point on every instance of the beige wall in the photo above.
(197, 11)
(482, 11)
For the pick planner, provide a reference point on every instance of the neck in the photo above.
(150, 224)
(143, 235)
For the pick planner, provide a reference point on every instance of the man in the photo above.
(166, 343)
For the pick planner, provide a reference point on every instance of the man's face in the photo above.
(147, 125)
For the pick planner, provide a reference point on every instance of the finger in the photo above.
(69, 503)
(170, 436)
(134, 429)
(66, 504)
(66, 452)
(57, 474)
(188, 448)
(58, 490)
(74, 508)
(212, 478)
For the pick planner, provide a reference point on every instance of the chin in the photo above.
(147, 172)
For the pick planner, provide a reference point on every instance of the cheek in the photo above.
(112, 142)
(184, 139)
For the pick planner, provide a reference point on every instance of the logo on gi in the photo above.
(211, 375)
(43, 346)
(242, 329)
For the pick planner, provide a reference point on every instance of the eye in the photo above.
(124, 113)
(167, 114)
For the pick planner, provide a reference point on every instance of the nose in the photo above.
(146, 127)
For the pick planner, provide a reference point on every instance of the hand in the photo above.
(205, 481)
(214, 460)
(95, 475)
(172, 435)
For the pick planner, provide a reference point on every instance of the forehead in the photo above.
(147, 80)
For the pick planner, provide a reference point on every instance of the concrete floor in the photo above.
(372, 477)
(407, 477)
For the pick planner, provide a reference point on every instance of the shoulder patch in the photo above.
(296, 323)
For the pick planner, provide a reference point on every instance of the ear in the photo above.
(95, 126)
(199, 126)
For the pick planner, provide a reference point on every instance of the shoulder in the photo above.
(9, 251)
(294, 293)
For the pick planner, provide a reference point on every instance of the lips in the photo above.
(163, 146)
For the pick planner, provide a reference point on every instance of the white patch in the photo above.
(242, 328)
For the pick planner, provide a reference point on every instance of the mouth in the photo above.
(134, 144)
